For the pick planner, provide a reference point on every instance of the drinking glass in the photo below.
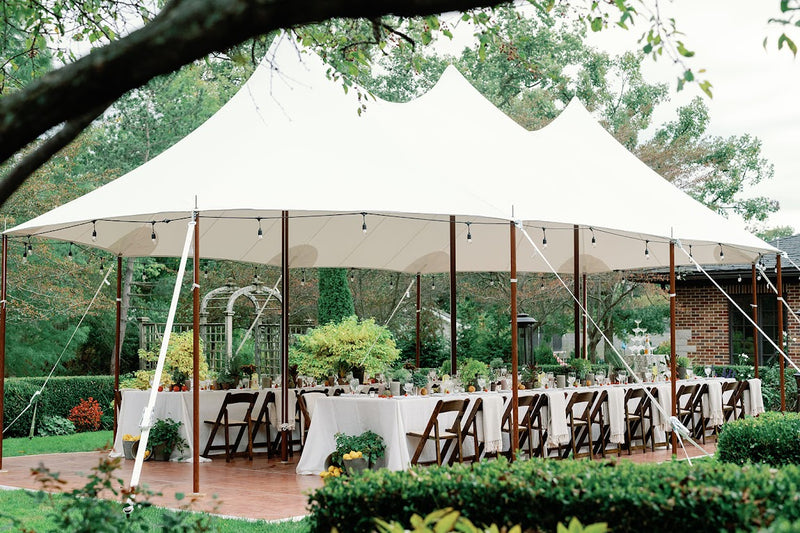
(707, 370)
(481, 383)
(622, 376)
(408, 387)
(571, 378)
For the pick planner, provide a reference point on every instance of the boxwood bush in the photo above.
(537, 494)
(60, 395)
(772, 438)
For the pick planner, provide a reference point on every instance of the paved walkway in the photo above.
(263, 489)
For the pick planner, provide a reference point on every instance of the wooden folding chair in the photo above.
(433, 432)
(689, 400)
(224, 421)
(731, 393)
(533, 423)
(602, 445)
(579, 416)
(638, 420)
(304, 412)
(263, 420)
(525, 404)
(469, 431)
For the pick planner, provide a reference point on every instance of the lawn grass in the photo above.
(35, 515)
(79, 442)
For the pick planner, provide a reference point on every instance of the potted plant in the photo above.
(371, 446)
(165, 436)
(397, 377)
(420, 380)
(582, 367)
(470, 370)
(682, 363)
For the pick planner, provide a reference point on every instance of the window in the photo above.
(741, 330)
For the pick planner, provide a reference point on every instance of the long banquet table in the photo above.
(178, 406)
(393, 418)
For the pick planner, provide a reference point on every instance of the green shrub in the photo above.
(771, 386)
(55, 425)
(783, 526)
(541, 493)
(772, 438)
(60, 395)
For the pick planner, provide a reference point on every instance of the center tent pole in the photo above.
(3, 296)
(754, 309)
(514, 344)
(779, 340)
(672, 359)
(284, 427)
(576, 267)
(453, 319)
(117, 345)
(585, 319)
(419, 310)
(196, 359)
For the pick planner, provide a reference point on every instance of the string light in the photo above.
(541, 287)
(433, 283)
(30, 248)
(153, 232)
(594, 240)
(94, 230)
(260, 231)
(391, 284)
(469, 233)
(102, 267)
(24, 253)
(205, 273)
(647, 250)
(303, 278)
(544, 238)
(69, 254)
(352, 276)
(739, 279)
(364, 223)
(721, 253)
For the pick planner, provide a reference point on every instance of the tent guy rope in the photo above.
(36, 394)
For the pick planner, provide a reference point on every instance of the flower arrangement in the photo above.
(131, 438)
(86, 415)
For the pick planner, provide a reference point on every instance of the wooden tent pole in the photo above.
(3, 305)
(418, 328)
(514, 344)
(196, 359)
(284, 335)
(576, 288)
(453, 317)
(672, 366)
(754, 311)
(780, 331)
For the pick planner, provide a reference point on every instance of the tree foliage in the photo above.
(335, 302)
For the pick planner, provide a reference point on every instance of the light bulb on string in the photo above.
(260, 231)
(541, 286)
(94, 230)
(364, 223)
(352, 276)
(24, 253)
(469, 233)
(721, 253)
(303, 278)
(647, 250)
(153, 232)
(544, 238)
(30, 248)
(433, 283)
(102, 267)
(739, 279)
(594, 239)
(205, 273)
(391, 284)
(69, 254)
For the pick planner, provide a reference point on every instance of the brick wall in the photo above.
(702, 324)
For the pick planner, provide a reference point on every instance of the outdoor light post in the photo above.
(526, 326)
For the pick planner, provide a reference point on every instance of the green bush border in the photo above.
(539, 493)
(772, 438)
(60, 395)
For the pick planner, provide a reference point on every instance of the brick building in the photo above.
(709, 329)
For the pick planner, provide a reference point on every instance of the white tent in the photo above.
(291, 139)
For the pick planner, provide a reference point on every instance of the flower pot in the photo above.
(160, 453)
(681, 372)
(127, 449)
(375, 464)
(355, 466)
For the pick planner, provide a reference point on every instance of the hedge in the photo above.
(772, 438)
(60, 395)
(537, 494)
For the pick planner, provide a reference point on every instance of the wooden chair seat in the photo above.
(263, 420)
(225, 422)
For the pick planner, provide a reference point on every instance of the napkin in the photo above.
(492, 416)
(754, 402)
(616, 414)
(557, 429)
(661, 412)
(713, 408)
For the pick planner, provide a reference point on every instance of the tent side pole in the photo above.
(780, 342)
(672, 366)
(284, 336)
(117, 344)
(514, 345)
(3, 296)
(576, 289)
(754, 310)
(585, 320)
(453, 318)
(418, 328)
(196, 362)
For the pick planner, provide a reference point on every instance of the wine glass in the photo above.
(354, 383)
(482, 383)
(570, 378)
(408, 387)
(707, 370)
(622, 376)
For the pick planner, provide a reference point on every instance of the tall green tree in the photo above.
(335, 301)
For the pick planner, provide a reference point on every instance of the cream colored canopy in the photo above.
(292, 139)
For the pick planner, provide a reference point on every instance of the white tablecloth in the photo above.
(390, 418)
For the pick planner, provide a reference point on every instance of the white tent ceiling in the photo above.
(291, 139)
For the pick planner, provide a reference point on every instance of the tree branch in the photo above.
(182, 32)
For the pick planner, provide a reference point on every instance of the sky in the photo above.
(756, 91)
